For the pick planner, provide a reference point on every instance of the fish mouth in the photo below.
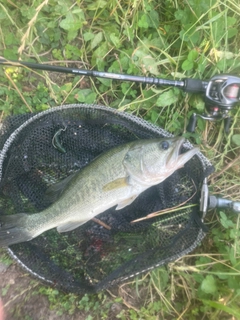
(178, 157)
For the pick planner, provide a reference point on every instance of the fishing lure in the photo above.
(56, 140)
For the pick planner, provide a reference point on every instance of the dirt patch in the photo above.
(21, 299)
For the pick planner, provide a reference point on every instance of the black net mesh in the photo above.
(39, 150)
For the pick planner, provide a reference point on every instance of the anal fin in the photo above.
(125, 202)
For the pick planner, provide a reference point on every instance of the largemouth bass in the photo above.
(115, 178)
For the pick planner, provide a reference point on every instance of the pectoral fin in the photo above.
(125, 202)
(54, 192)
(69, 226)
(116, 184)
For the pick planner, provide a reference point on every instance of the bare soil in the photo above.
(20, 298)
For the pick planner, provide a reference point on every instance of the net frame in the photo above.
(127, 118)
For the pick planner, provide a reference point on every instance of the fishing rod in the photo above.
(221, 93)
(189, 85)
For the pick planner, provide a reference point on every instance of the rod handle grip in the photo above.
(194, 85)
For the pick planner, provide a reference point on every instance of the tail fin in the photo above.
(13, 229)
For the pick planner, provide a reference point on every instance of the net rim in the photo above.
(200, 236)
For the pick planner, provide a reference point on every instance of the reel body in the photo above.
(222, 94)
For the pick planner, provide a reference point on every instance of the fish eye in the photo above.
(165, 145)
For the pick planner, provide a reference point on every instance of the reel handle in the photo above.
(227, 124)
(192, 123)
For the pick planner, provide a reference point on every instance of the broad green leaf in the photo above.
(192, 56)
(95, 5)
(195, 37)
(232, 32)
(216, 18)
(209, 284)
(236, 139)
(221, 65)
(154, 116)
(153, 19)
(167, 98)
(87, 36)
(96, 40)
(72, 34)
(91, 97)
(233, 258)
(179, 14)
(11, 53)
(226, 223)
(125, 86)
(2, 15)
(57, 54)
(72, 52)
(129, 32)
(66, 87)
(178, 75)
(98, 54)
(11, 39)
(70, 24)
(231, 21)
(85, 95)
(187, 65)
(143, 22)
(150, 64)
(77, 11)
(197, 102)
(115, 40)
(145, 61)
(106, 82)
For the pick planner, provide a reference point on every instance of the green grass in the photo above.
(167, 39)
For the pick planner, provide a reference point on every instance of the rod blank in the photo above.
(94, 73)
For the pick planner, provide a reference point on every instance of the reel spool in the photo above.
(39, 150)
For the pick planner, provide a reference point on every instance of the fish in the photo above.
(113, 179)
